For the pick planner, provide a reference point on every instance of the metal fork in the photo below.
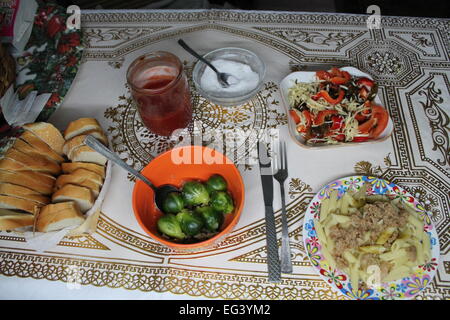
(281, 175)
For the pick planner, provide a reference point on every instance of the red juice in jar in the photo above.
(161, 91)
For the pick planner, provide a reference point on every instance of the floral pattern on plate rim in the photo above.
(405, 288)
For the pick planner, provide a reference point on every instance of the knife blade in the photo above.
(273, 260)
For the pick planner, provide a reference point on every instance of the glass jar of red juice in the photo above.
(160, 89)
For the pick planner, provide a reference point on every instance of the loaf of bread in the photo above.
(58, 216)
(39, 182)
(47, 133)
(80, 126)
(11, 222)
(69, 167)
(13, 190)
(81, 195)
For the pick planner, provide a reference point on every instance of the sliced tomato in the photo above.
(320, 118)
(363, 92)
(324, 94)
(382, 117)
(294, 116)
(365, 82)
(342, 77)
(306, 115)
(360, 139)
(338, 122)
(323, 75)
(367, 126)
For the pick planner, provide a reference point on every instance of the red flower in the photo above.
(71, 61)
(55, 25)
(73, 39)
(54, 99)
(68, 41)
(63, 48)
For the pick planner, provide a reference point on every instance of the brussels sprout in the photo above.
(222, 202)
(170, 226)
(212, 218)
(216, 183)
(173, 203)
(190, 223)
(195, 193)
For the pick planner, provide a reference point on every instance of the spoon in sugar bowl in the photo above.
(222, 77)
(160, 192)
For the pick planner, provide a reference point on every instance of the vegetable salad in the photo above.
(337, 107)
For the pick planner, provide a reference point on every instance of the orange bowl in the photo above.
(176, 167)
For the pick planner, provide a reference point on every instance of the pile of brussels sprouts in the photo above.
(197, 212)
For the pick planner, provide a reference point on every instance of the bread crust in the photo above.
(11, 222)
(39, 182)
(55, 213)
(81, 195)
(9, 189)
(25, 162)
(8, 202)
(39, 145)
(86, 154)
(79, 126)
(69, 167)
(47, 133)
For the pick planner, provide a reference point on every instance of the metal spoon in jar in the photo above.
(159, 192)
(222, 77)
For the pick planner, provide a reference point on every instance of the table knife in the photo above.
(273, 260)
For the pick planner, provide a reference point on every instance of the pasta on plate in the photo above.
(370, 237)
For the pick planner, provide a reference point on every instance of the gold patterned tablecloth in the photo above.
(409, 57)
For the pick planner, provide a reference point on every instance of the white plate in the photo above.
(309, 76)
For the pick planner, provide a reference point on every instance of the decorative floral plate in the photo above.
(49, 62)
(404, 288)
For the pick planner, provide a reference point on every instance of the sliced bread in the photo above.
(81, 195)
(86, 154)
(39, 182)
(9, 189)
(97, 134)
(13, 203)
(80, 126)
(8, 212)
(58, 216)
(11, 222)
(78, 141)
(80, 177)
(40, 145)
(69, 167)
(47, 133)
(25, 162)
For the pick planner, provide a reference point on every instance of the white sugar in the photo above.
(243, 79)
